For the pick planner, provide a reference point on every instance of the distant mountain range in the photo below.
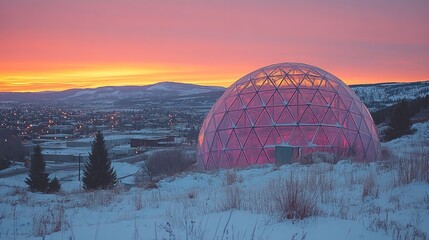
(113, 94)
(375, 96)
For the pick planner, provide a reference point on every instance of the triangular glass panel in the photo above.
(274, 138)
(358, 119)
(276, 72)
(225, 123)
(224, 136)
(330, 118)
(233, 142)
(319, 112)
(223, 161)
(236, 105)
(252, 155)
(217, 143)
(264, 119)
(308, 132)
(350, 135)
(265, 96)
(308, 94)
(354, 108)
(210, 164)
(255, 102)
(285, 133)
(296, 98)
(338, 103)
(242, 134)
(295, 71)
(211, 126)
(285, 117)
(253, 114)
(294, 79)
(275, 100)
(341, 141)
(308, 117)
(219, 106)
(258, 83)
(287, 94)
(318, 99)
(298, 138)
(263, 158)
(229, 101)
(235, 115)
(370, 151)
(364, 128)
(349, 122)
(271, 154)
(274, 112)
(276, 80)
(252, 140)
(358, 146)
(334, 85)
(209, 140)
(306, 82)
(331, 133)
(244, 121)
(263, 133)
(261, 74)
(317, 81)
(320, 139)
(248, 88)
(340, 115)
(267, 85)
(246, 98)
(232, 156)
(241, 160)
(328, 96)
(286, 83)
(240, 87)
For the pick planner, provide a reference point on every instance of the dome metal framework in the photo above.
(288, 108)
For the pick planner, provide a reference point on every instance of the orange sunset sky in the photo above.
(56, 45)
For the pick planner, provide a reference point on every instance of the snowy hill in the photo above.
(111, 94)
(377, 96)
(384, 200)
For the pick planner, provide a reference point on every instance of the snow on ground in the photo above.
(342, 201)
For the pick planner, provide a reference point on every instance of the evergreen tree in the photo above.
(98, 172)
(400, 123)
(37, 179)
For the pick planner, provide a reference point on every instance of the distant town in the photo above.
(65, 131)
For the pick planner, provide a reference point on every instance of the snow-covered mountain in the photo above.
(377, 96)
(163, 89)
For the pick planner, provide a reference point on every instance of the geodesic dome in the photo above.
(280, 112)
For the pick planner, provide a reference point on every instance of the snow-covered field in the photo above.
(384, 200)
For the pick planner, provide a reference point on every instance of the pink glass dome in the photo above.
(286, 109)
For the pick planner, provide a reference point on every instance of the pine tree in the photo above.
(37, 179)
(98, 172)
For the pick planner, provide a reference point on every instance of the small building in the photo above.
(147, 141)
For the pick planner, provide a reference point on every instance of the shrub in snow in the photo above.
(168, 163)
(294, 198)
(370, 185)
(318, 157)
(232, 198)
(98, 172)
(54, 185)
(4, 163)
